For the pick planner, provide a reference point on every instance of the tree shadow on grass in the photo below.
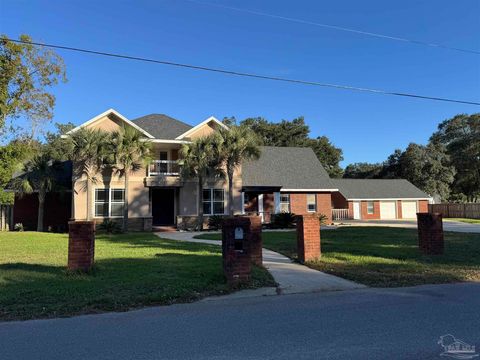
(36, 291)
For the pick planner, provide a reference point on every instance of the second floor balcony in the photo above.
(164, 168)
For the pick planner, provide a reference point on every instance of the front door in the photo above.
(163, 207)
(356, 210)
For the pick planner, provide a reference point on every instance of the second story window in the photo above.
(163, 157)
(213, 201)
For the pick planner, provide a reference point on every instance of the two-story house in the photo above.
(283, 179)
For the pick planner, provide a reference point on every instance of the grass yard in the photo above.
(468, 221)
(385, 257)
(131, 270)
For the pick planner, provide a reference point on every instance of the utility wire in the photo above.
(244, 74)
(334, 27)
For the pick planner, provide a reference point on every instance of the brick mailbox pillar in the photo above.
(430, 233)
(240, 235)
(81, 245)
(256, 240)
(308, 237)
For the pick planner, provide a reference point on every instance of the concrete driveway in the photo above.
(404, 323)
(447, 224)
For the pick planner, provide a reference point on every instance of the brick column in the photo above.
(308, 237)
(81, 245)
(256, 240)
(430, 233)
(237, 261)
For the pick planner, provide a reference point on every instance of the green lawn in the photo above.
(385, 257)
(468, 221)
(130, 271)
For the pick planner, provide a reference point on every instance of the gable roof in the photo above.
(196, 127)
(162, 126)
(291, 168)
(117, 114)
(353, 189)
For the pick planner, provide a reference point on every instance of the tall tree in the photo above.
(12, 157)
(56, 146)
(27, 72)
(363, 170)
(296, 133)
(131, 152)
(461, 137)
(90, 154)
(199, 160)
(427, 167)
(236, 145)
(39, 177)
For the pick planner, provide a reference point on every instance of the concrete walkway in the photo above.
(292, 278)
(448, 225)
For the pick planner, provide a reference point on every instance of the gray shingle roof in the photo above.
(288, 167)
(162, 126)
(378, 189)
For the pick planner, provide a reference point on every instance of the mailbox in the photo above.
(239, 238)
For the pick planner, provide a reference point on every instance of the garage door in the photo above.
(409, 209)
(387, 210)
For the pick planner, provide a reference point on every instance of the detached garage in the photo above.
(378, 199)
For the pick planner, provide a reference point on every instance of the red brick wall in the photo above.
(399, 209)
(366, 215)
(423, 206)
(57, 211)
(339, 202)
(298, 204)
(268, 206)
(350, 209)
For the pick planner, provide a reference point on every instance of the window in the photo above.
(163, 156)
(109, 202)
(311, 202)
(213, 201)
(284, 203)
(370, 207)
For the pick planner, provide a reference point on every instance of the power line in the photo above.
(335, 27)
(244, 74)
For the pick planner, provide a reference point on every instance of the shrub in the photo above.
(215, 222)
(18, 227)
(283, 220)
(109, 227)
(323, 219)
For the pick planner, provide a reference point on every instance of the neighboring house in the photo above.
(283, 179)
(58, 204)
(385, 199)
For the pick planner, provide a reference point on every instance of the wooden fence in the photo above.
(470, 210)
(6, 217)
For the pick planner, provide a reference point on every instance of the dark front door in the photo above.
(163, 206)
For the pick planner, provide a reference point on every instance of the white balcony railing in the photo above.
(164, 167)
(340, 214)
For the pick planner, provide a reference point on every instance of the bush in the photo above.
(109, 227)
(18, 227)
(323, 219)
(283, 220)
(215, 222)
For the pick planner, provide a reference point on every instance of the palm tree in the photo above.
(236, 144)
(90, 156)
(198, 160)
(39, 177)
(131, 152)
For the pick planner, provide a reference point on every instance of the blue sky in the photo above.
(367, 127)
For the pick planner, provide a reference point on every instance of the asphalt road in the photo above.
(359, 324)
